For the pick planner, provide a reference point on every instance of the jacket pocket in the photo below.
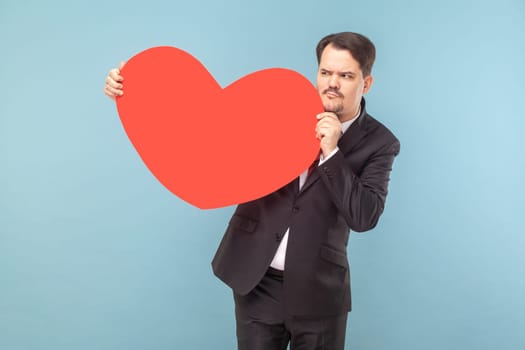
(243, 223)
(333, 256)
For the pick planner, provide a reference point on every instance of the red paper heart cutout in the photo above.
(215, 147)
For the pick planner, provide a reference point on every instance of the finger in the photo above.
(327, 123)
(113, 91)
(331, 116)
(327, 131)
(113, 83)
(115, 74)
(327, 114)
(323, 129)
(109, 93)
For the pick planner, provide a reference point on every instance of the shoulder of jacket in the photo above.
(374, 126)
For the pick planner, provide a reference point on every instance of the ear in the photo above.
(369, 80)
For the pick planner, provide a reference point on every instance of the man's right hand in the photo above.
(113, 86)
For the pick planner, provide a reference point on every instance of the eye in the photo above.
(347, 76)
(324, 73)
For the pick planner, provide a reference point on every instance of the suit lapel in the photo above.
(354, 135)
(314, 176)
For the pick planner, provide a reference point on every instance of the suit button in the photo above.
(278, 237)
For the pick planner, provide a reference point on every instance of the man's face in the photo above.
(340, 82)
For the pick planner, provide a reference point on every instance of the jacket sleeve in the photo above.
(360, 199)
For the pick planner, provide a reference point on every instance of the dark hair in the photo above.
(359, 46)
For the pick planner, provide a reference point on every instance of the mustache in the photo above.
(335, 91)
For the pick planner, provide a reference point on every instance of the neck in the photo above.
(349, 116)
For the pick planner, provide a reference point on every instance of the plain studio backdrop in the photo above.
(96, 254)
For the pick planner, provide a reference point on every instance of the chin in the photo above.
(334, 109)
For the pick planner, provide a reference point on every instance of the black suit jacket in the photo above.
(347, 192)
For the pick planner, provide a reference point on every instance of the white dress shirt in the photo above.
(279, 258)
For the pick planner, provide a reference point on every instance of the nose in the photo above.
(333, 82)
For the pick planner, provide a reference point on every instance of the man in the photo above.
(284, 255)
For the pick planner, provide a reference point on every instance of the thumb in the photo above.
(121, 65)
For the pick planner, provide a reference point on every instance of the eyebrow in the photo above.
(340, 73)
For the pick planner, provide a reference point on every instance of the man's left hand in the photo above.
(328, 131)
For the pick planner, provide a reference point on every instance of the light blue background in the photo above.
(96, 254)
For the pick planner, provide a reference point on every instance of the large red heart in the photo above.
(216, 147)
